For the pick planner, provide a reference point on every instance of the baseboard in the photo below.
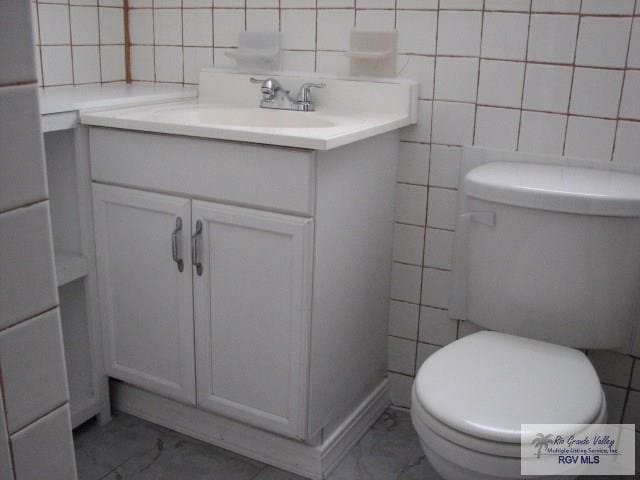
(311, 461)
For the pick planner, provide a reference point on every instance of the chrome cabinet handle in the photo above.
(195, 248)
(176, 250)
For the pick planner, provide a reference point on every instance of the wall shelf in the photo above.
(69, 267)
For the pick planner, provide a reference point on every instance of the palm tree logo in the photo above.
(542, 441)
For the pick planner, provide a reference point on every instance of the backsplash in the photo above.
(547, 76)
(79, 41)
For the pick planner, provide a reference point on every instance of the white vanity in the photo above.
(243, 263)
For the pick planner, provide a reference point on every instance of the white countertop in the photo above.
(227, 108)
(86, 97)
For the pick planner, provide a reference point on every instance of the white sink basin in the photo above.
(242, 117)
(227, 108)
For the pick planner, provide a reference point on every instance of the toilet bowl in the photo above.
(470, 398)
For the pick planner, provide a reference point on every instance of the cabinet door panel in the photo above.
(146, 303)
(252, 307)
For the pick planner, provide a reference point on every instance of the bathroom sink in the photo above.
(242, 117)
(228, 108)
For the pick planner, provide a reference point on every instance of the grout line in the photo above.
(573, 76)
(524, 77)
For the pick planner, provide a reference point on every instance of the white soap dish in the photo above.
(373, 54)
(257, 51)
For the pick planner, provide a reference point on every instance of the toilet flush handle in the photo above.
(484, 217)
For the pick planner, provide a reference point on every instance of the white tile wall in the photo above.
(33, 378)
(79, 42)
(548, 76)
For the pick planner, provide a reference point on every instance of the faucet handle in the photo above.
(304, 94)
(269, 87)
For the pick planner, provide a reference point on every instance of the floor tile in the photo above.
(383, 452)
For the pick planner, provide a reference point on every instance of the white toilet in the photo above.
(550, 254)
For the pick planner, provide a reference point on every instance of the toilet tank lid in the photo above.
(584, 191)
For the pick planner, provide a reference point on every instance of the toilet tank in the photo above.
(551, 252)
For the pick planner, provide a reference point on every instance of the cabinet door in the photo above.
(146, 303)
(252, 308)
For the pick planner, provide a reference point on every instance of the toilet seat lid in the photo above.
(489, 383)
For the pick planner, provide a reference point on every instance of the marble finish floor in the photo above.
(128, 448)
(132, 449)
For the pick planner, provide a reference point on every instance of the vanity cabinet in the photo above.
(239, 278)
(271, 341)
(145, 301)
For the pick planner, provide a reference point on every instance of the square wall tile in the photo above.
(635, 379)
(417, 31)
(112, 63)
(442, 208)
(16, 19)
(456, 79)
(167, 24)
(142, 67)
(445, 166)
(424, 352)
(453, 123)
(400, 386)
(552, 38)
(23, 178)
(86, 64)
(612, 367)
(298, 61)
(436, 327)
(630, 107)
(169, 64)
(504, 35)
(56, 65)
(438, 249)
(27, 275)
(466, 328)
(6, 462)
(197, 25)
(596, 92)
(608, 7)
(141, 26)
(459, 33)
(497, 127)
(111, 25)
(421, 131)
(542, 132)
(413, 164)
(634, 46)
(417, 4)
(420, 69)
(632, 410)
(298, 29)
(227, 23)
(501, 83)
(408, 243)
(54, 24)
(547, 87)
(435, 288)
(264, 20)
(564, 6)
(401, 355)
(603, 41)
(84, 25)
(334, 27)
(28, 397)
(627, 143)
(411, 202)
(615, 403)
(333, 62)
(403, 319)
(507, 5)
(45, 448)
(375, 20)
(461, 4)
(590, 138)
(195, 59)
(405, 282)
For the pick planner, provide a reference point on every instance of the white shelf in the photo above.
(69, 267)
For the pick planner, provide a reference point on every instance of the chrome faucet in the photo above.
(274, 96)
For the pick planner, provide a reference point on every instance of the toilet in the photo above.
(546, 260)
